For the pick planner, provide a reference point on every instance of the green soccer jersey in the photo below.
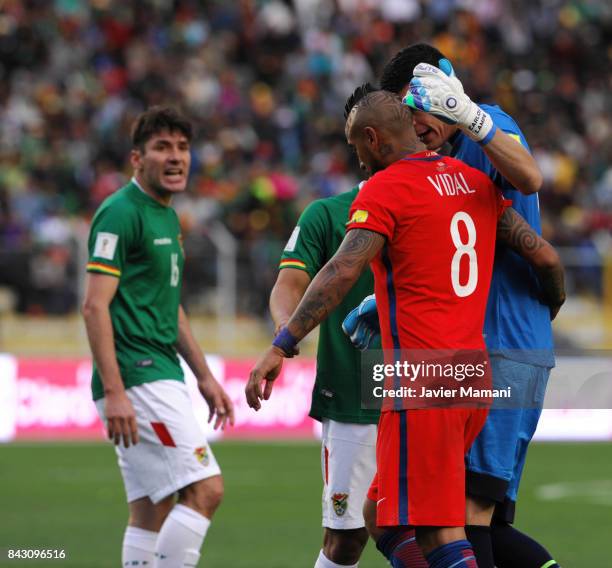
(138, 240)
(315, 239)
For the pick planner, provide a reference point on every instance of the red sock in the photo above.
(401, 549)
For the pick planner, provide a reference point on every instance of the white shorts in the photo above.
(172, 452)
(348, 462)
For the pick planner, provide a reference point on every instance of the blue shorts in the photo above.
(495, 461)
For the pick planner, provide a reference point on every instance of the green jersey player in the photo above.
(135, 326)
(314, 241)
(348, 458)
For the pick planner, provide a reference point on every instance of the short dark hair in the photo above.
(398, 72)
(358, 94)
(157, 119)
(382, 109)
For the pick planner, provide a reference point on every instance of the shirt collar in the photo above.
(426, 155)
(148, 198)
(135, 182)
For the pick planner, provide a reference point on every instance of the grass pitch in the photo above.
(70, 496)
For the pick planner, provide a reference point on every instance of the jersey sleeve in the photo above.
(502, 204)
(507, 124)
(371, 211)
(305, 249)
(110, 238)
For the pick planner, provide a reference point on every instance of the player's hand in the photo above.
(553, 307)
(361, 324)
(266, 369)
(120, 419)
(554, 310)
(438, 91)
(553, 301)
(220, 406)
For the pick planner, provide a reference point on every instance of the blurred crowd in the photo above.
(265, 82)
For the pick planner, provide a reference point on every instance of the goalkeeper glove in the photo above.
(438, 91)
(361, 324)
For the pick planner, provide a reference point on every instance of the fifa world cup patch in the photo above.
(340, 503)
(359, 216)
(106, 244)
(290, 246)
(202, 455)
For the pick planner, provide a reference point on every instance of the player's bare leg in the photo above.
(478, 515)
(144, 514)
(204, 496)
(140, 538)
(348, 461)
(369, 516)
(183, 532)
(343, 547)
(479, 511)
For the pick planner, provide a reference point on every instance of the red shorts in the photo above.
(420, 477)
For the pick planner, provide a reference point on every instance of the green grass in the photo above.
(71, 497)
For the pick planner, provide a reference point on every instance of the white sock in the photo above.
(138, 547)
(180, 538)
(324, 562)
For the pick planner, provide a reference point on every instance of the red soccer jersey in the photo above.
(432, 277)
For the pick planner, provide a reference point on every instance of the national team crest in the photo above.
(202, 455)
(340, 503)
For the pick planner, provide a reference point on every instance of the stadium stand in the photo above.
(265, 83)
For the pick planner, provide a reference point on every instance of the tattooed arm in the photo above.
(515, 232)
(325, 292)
(334, 280)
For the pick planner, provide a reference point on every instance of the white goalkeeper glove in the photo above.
(437, 91)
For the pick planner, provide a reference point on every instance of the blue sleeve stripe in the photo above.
(504, 121)
(489, 136)
(392, 300)
(392, 318)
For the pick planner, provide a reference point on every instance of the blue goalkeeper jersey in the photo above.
(517, 325)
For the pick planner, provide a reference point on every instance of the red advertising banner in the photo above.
(50, 399)
(53, 400)
(285, 414)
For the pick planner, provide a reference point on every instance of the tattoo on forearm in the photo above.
(334, 280)
(514, 231)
